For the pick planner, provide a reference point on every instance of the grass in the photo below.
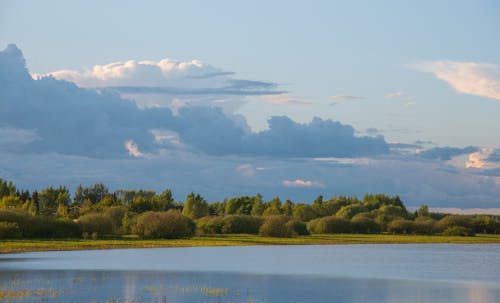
(14, 246)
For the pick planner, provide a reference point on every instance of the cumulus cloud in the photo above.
(164, 82)
(301, 183)
(480, 79)
(96, 123)
(485, 158)
(444, 153)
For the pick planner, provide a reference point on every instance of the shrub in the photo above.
(423, 226)
(453, 220)
(116, 215)
(329, 225)
(458, 231)
(166, 225)
(241, 224)
(9, 230)
(98, 223)
(276, 226)
(298, 227)
(210, 224)
(41, 227)
(400, 226)
(364, 225)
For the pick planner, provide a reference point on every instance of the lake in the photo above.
(314, 273)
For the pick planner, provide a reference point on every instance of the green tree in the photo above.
(195, 207)
(423, 211)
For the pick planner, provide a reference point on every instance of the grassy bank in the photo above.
(11, 246)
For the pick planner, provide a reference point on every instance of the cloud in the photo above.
(485, 158)
(398, 95)
(97, 123)
(445, 153)
(301, 183)
(133, 149)
(346, 97)
(164, 82)
(246, 170)
(479, 79)
(338, 99)
(283, 99)
(12, 138)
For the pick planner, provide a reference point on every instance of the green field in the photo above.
(12, 246)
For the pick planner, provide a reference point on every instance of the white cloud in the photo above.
(338, 99)
(345, 97)
(166, 72)
(283, 99)
(133, 149)
(398, 95)
(246, 170)
(480, 79)
(301, 183)
(481, 159)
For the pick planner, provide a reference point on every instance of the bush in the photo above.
(99, 223)
(458, 231)
(116, 215)
(329, 225)
(364, 225)
(165, 225)
(41, 227)
(210, 224)
(9, 230)
(453, 220)
(424, 226)
(241, 224)
(400, 226)
(298, 227)
(276, 226)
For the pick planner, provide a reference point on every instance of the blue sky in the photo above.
(379, 76)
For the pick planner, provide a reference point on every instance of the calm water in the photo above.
(329, 273)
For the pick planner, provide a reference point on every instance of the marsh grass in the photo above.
(14, 246)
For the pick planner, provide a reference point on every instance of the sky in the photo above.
(282, 98)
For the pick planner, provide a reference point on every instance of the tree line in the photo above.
(94, 211)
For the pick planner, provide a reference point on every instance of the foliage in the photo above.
(276, 226)
(241, 224)
(94, 222)
(164, 225)
(9, 230)
(458, 231)
(329, 225)
(210, 224)
(401, 226)
(361, 224)
(195, 206)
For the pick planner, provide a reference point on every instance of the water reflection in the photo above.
(361, 273)
(184, 287)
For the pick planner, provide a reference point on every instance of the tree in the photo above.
(51, 198)
(258, 206)
(423, 211)
(240, 205)
(195, 206)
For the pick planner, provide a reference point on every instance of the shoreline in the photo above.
(40, 245)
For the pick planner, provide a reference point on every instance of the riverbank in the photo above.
(14, 246)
